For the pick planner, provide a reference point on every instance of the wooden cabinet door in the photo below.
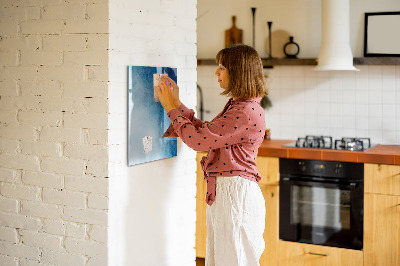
(271, 232)
(201, 205)
(381, 230)
(268, 168)
(382, 179)
(299, 254)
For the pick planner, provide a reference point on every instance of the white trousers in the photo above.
(235, 223)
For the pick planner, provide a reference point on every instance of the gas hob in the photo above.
(327, 142)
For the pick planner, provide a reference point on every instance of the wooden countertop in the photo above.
(380, 154)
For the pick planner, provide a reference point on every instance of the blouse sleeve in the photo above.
(232, 127)
(187, 113)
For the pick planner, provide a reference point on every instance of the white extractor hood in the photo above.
(335, 52)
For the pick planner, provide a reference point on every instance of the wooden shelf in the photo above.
(269, 63)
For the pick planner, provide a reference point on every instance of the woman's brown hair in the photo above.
(245, 69)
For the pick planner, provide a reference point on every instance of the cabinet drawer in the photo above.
(268, 167)
(299, 254)
(382, 179)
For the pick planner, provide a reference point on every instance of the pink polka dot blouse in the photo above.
(232, 139)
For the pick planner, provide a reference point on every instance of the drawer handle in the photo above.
(318, 254)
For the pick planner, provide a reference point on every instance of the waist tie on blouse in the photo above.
(210, 196)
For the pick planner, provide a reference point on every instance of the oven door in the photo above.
(321, 212)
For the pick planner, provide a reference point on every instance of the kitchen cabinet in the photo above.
(382, 215)
(382, 179)
(300, 254)
(201, 205)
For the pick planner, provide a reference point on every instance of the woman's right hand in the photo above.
(175, 91)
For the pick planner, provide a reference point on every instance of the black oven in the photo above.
(321, 202)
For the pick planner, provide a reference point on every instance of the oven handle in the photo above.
(310, 182)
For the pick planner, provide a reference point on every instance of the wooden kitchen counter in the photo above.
(380, 154)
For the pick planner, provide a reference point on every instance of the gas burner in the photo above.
(353, 144)
(322, 142)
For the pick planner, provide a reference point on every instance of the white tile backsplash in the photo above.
(363, 103)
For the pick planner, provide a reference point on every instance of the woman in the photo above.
(236, 211)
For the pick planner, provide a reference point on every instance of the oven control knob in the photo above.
(338, 170)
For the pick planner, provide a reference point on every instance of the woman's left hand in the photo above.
(165, 95)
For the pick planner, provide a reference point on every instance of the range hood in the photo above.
(335, 52)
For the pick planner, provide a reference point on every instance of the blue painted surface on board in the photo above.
(147, 119)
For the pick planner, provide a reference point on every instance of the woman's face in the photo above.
(223, 76)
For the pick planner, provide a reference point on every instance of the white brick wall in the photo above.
(148, 201)
(53, 135)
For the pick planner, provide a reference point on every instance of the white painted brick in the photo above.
(26, 262)
(8, 261)
(25, 103)
(8, 29)
(185, 48)
(17, 13)
(61, 104)
(85, 121)
(40, 118)
(62, 258)
(90, 57)
(64, 197)
(20, 221)
(37, 58)
(68, 42)
(39, 88)
(96, 105)
(20, 251)
(85, 247)
(8, 234)
(9, 58)
(22, 43)
(95, 136)
(8, 88)
(98, 73)
(98, 261)
(8, 117)
(97, 202)
(9, 146)
(186, 22)
(85, 215)
(19, 191)
(76, 230)
(98, 233)
(7, 175)
(98, 11)
(87, 184)
(61, 134)
(41, 27)
(19, 73)
(97, 169)
(61, 73)
(18, 132)
(69, 12)
(85, 26)
(98, 42)
(20, 161)
(35, 239)
(88, 152)
(86, 89)
(8, 205)
(39, 2)
(40, 209)
(43, 179)
(63, 166)
(41, 148)
(54, 227)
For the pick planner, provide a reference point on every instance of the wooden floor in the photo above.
(200, 262)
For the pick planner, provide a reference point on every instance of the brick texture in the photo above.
(53, 118)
